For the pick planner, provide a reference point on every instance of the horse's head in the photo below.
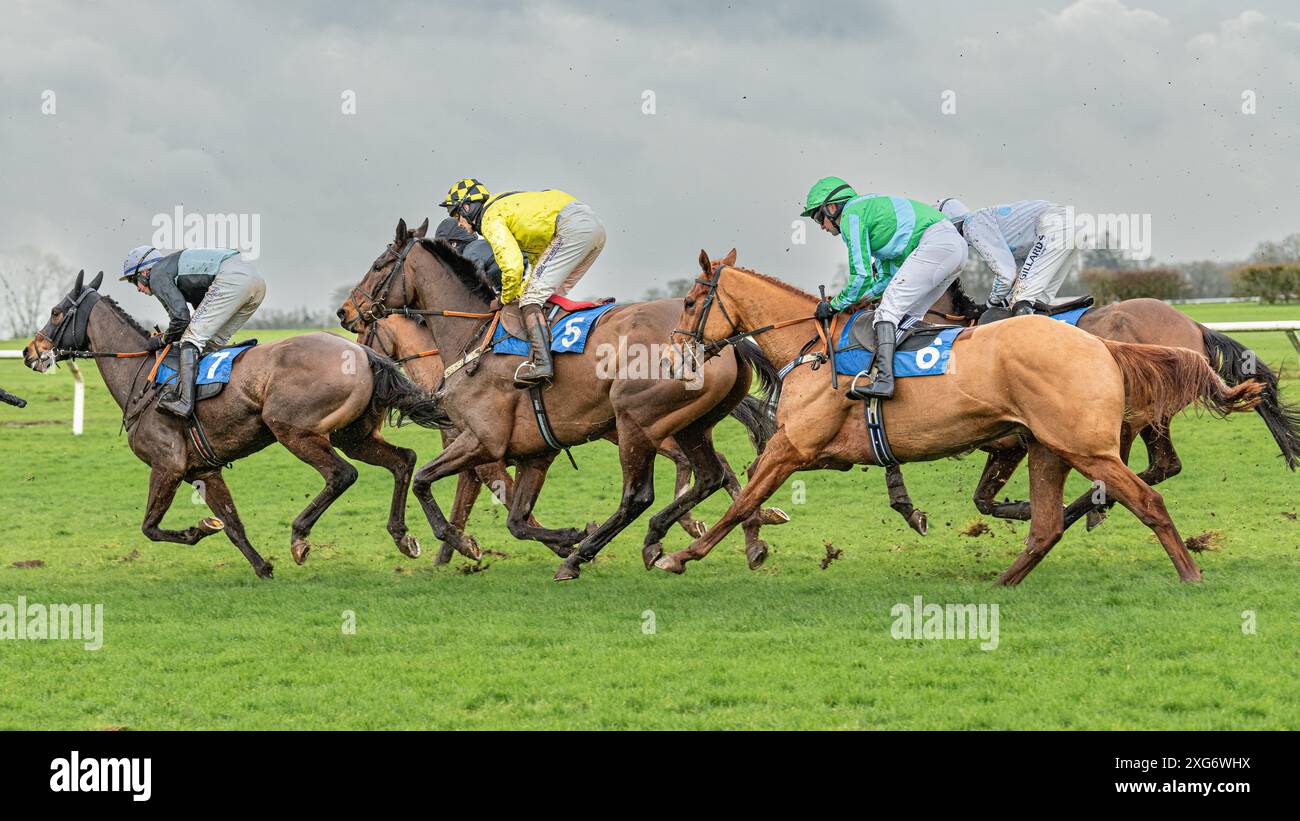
(704, 316)
(66, 328)
(384, 285)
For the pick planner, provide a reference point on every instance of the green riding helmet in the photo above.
(825, 191)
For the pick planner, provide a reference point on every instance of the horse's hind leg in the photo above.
(1047, 474)
(1147, 505)
(901, 502)
(529, 478)
(709, 477)
(218, 498)
(693, 527)
(469, 483)
(339, 474)
(464, 453)
(999, 468)
(369, 446)
(162, 490)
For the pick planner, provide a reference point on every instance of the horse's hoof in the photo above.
(265, 571)
(694, 527)
(919, 522)
(566, 571)
(211, 525)
(409, 546)
(444, 554)
(468, 547)
(300, 549)
(671, 563)
(756, 554)
(774, 516)
(1095, 518)
(650, 553)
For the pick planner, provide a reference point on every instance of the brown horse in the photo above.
(1144, 321)
(309, 393)
(410, 342)
(1068, 390)
(592, 393)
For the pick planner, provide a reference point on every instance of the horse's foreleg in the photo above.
(1046, 489)
(637, 457)
(778, 461)
(529, 478)
(767, 515)
(339, 475)
(670, 449)
(218, 498)
(901, 502)
(464, 453)
(1095, 504)
(469, 484)
(162, 490)
(705, 463)
(373, 450)
(1001, 464)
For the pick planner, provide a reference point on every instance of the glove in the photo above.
(155, 343)
(824, 311)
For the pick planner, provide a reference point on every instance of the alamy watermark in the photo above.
(49, 622)
(242, 232)
(946, 621)
(637, 360)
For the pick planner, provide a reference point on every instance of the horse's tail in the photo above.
(1161, 381)
(401, 399)
(769, 377)
(755, 415)
(1237, 364)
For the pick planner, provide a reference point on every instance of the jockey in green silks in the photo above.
(919, 251)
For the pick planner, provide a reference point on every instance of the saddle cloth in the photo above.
(571, 323)
(1068, 312)
(923, 349)
(213, 372)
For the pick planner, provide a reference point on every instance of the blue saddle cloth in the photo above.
(215, 367)
(932, 360)
(569, 335)
(1073, 317)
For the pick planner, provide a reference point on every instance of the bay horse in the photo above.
(408, 341)
(1066, 389)
(496, 422)
(310, 393)
(1144, 321)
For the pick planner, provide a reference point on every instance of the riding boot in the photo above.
(1023, 308)
(882, 383)
(538, 370)
(182, 403)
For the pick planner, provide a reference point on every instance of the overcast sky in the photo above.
(236, 107)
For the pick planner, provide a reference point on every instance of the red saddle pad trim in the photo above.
(572, 305)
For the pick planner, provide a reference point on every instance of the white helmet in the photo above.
(141, 258)
(952, 208)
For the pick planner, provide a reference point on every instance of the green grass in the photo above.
(1101, 635)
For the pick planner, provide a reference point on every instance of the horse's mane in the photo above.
(962, 303)
(123, 315)
(474, 280)
(780, 284)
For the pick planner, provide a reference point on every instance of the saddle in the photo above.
(862, 336)
(558, 307)
(170, 365)
(1040, 309)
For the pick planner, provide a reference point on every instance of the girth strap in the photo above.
(544, 423)
(201, 444)
(876, 432)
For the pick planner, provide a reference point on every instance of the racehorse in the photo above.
(1067, 389)
(1145, 321)
(409, 341)
(309, 393)
(498, 422)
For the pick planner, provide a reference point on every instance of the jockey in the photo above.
(558, 235)
(920, 251)
(1025, 245)
(220, 284)
(472, 247)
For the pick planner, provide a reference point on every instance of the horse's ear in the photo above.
(95, 283)
(423, 229)
(704, 261)
(81, 275)
(730, 259)
(401, 232)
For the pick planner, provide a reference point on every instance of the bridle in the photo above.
(76, 316)
(376, 309)
(711, 349)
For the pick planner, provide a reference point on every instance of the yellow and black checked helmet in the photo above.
(466, 191)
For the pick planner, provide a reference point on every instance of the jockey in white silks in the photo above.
(1027, 245)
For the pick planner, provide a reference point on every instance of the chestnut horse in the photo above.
(1068, 390)
(310, 393)
(410, 342)
(1145, 321)
(496, 422)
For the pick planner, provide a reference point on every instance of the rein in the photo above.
(713, 297)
